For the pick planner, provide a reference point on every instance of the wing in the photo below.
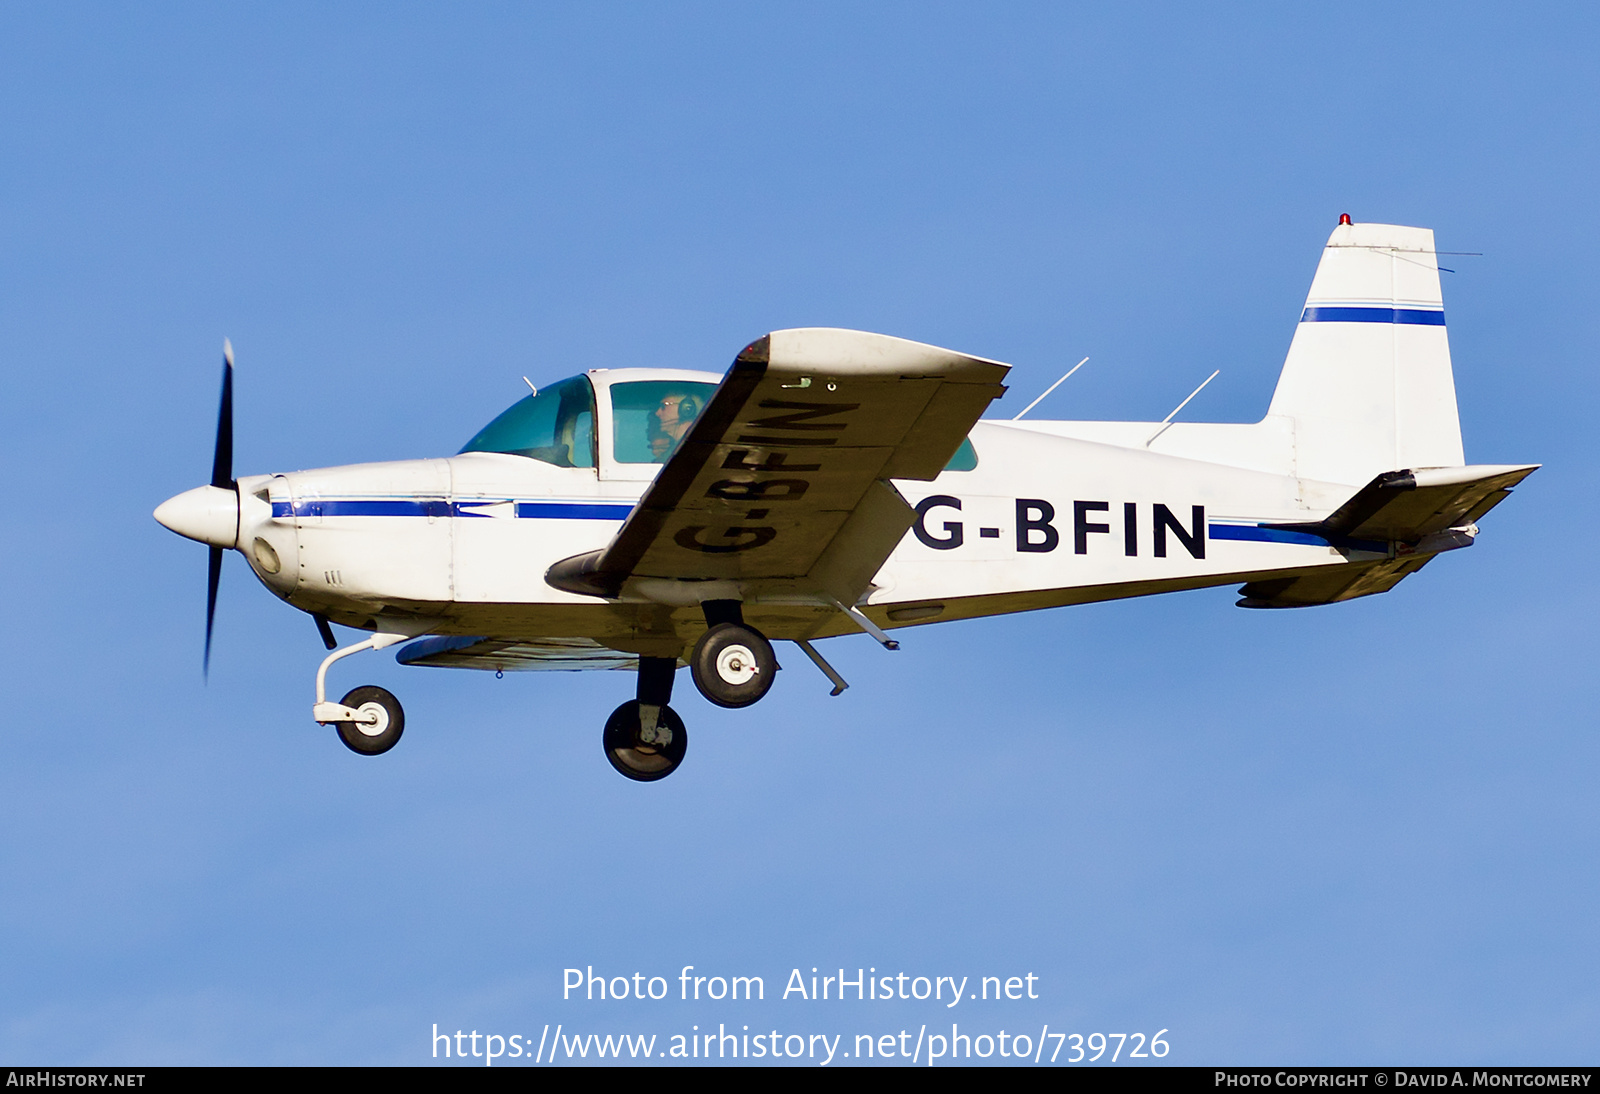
(513, 654)
(784, 477)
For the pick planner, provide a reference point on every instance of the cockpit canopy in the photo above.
(649, 417)
(557, 424)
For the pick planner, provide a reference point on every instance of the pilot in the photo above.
(670, 420)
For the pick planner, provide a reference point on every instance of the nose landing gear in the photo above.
(369, 719)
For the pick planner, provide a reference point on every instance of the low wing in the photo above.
(512, 654)
(785, 474)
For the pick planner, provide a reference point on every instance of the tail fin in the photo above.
(1367, 382)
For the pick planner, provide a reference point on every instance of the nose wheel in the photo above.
(369, 719)
(379, 722)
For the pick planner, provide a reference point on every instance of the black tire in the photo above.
(637, 759)
(373, 740)
(733, 665)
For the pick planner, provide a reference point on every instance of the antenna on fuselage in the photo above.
(530, 385)
(1051, 388)
(1167, 421)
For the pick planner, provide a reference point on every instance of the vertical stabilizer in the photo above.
(1367, 383)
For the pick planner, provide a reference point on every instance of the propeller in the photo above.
(221, 477)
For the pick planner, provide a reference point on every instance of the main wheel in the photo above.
(373, 738)
(733, 665)
(645, 757)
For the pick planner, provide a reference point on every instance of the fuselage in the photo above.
(834, 481)
(1033, 517)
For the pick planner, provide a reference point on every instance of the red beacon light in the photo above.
(1344, 218)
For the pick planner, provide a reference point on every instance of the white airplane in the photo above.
(643, 519)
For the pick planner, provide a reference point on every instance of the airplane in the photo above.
(834, 482)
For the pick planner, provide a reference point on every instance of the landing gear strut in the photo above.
(733, 664)
(369, 719)
(644, 738)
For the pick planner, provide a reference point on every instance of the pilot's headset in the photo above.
(689, 407)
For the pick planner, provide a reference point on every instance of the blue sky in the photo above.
(1362, 834)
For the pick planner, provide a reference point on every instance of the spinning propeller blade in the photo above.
(213, 579)
(222, 462)
(221, 476)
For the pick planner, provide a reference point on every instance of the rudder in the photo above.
(1367, 383)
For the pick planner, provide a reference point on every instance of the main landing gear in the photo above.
(733, 666)
(644, 738)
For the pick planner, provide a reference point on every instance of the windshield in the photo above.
(650, 417)
(556, 426)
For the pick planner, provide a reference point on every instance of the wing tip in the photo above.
(758, 352)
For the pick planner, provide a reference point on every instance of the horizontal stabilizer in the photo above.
(1422, 512)
(1331, 584)
(1405, 506)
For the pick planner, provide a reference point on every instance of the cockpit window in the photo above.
(556, 426)
(650, 417)
(965, 459)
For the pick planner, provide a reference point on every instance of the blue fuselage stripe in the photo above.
(1415, 316)
(1257, 534)
(564, 510)
(438, 507)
